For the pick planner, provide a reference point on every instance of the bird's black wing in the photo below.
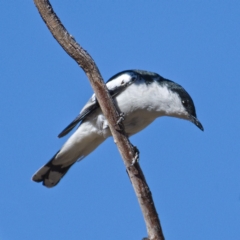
(89, 107)
(93, 104)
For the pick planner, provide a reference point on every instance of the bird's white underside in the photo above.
(141, 104)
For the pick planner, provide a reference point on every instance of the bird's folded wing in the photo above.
(93, 104)
(89, 107)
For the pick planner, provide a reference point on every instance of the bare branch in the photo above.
(126, 150)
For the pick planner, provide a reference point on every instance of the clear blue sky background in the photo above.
(194, 176)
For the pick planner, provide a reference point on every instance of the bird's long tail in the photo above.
(76, 148)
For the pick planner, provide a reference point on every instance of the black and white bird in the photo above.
(141, 96)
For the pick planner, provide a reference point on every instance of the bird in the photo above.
(141, 96)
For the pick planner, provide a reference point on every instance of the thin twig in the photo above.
(126, 150)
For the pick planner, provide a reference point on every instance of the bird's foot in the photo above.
(121, 118)
(136, 156)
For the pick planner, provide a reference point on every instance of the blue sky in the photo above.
(194, 176)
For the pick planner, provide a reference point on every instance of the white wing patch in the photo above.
(121, 80)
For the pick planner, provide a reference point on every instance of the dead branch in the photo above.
(126, 150)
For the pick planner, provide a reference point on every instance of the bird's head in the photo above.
(182, 105)
(171, 98)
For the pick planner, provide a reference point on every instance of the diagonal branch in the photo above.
(126, 150)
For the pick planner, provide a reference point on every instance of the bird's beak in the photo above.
(196, 122)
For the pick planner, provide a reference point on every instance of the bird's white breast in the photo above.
(140, 103)
(137, 103)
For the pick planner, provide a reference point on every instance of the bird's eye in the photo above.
(185, 102)
(122, 82)
(134, 79)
